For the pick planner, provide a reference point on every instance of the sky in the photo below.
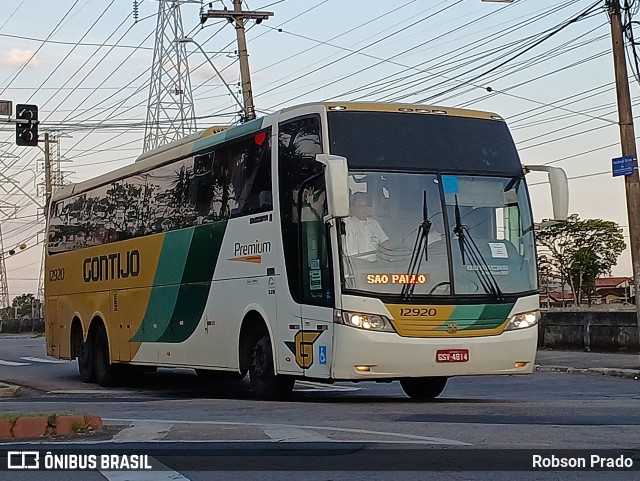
(87, 65)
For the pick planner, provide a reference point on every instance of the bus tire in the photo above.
(423, 388)
(266, 385)
(85, 362)
(83, 352)
(107, 374)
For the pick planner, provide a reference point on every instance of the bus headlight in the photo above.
(368, 322)
(523, 320)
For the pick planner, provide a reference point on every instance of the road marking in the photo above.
(160, 473)
(11, 363)
(414, 437)
(142, 432)
(92, 391)
(286, 434)
(39, 359)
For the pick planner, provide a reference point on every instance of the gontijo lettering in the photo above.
(111, 266)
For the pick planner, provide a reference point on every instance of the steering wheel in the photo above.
(439, 284)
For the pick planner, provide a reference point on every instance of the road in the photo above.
(175, 409)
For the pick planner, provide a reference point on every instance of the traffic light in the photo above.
(27, 133)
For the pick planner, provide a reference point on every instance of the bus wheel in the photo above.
(107, 374)
(85, 362)
(423, 388)
(264, 381)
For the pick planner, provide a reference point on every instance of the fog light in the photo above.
(520, 364)
(362, 368)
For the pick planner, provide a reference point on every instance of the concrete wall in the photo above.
(589, 330)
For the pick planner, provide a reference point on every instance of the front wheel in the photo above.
(265, 383)
(423, 388)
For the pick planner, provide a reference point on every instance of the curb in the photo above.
(24, 427)
(9, 390)
(603, 371)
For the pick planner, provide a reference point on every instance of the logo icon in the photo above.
(452, 328)
(23, 460)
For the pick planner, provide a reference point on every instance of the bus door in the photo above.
(315, 340)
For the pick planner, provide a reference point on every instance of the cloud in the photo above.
(16, 57)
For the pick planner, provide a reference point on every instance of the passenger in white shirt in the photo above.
(363, 234)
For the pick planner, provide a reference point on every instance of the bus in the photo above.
(328, 241)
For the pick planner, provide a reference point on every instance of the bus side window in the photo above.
(250, 167)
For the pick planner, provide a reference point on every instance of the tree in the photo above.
(579, 251)
(25, 304)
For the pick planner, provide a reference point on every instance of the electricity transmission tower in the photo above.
(170, 111)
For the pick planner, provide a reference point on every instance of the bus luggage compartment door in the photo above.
(314, 347)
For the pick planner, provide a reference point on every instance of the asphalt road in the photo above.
(174, 409)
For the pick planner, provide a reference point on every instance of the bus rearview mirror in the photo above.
(336, 173)
(559, 189)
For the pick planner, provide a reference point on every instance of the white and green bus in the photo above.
(327, 241)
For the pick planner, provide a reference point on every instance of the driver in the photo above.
(363, 234)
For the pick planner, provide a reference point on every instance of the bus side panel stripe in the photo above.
(187, 313)
(187, 261)
(164, 294)
(226, 135)
(173, 257)
(156, 319)
(203, 252)
(196, 282)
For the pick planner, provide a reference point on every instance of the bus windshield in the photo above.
(432, 234)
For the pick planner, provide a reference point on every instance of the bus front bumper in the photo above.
(362, 355)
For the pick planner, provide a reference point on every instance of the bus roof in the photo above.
(218, 134)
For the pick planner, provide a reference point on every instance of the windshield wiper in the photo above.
(420, 249)
(483, 271)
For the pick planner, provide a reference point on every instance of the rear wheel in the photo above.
(83, 351)
(107, 374)
(423, 388)
(85, 362)
(265, 383)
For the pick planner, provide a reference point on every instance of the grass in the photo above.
(81, 427)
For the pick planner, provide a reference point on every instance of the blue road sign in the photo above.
(623, 165)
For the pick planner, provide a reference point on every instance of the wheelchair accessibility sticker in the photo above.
(322, 354)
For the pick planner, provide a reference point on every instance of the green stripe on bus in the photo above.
(478, 316)
(187, 261)
(187, 313)
(173, 256)
(203, 252)
(196, 282)
(162, 303)
(226, 135)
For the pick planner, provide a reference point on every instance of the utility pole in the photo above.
(238, 16)
(4, 285)
(628, 143)
(47, 172)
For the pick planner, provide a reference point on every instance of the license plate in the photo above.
(452, 355)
